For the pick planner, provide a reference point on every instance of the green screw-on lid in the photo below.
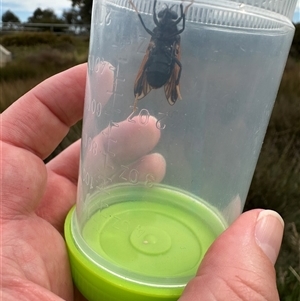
(143, 246)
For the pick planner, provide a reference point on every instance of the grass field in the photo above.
(276, 182)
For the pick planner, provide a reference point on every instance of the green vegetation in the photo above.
(84, 9)
(39, 55)
(276, 182)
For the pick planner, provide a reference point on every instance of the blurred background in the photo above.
(38, 40)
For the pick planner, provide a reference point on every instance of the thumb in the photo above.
(239, 266)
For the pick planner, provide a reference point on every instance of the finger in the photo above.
(23, 182)
(62, 182)
(149, 169)
(240, 263)
(116, 147)
(130, 140)
(63, 170)
(66, 164)
(152, 168)
(42, 117)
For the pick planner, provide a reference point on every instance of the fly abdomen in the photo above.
(157, 79)
(159, 71)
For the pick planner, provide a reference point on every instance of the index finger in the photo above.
(41, 118)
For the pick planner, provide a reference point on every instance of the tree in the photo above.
(295, 47)
(10, 17)
(44, 16)
(84, 8)
(10, 21)
(72, 16)
(296, 40)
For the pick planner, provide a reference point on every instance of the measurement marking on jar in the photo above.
(99, 65)
(150, 180)
(143, 117)
(159, 124)
(90, 144)
(129, 175)
(95, 107)
(107, 146)
(104, 182)
(87, 179)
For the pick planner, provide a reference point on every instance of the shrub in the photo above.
(28, 39)
(36, 64)
(36, 55)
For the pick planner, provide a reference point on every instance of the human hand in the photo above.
(239, 266)
(36, 198)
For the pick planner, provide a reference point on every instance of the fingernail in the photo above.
(269, 232)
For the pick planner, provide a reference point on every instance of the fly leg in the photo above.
(135, 103)
(182, 17)
(181, 14)
(178, 77)
(185, 11)
(140, 17)
(154, 13)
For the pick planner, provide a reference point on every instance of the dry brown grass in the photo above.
(12, 91)
(276, 182)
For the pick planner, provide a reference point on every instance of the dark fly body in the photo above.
(161, 64)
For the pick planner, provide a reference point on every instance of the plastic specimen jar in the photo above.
(159, 182)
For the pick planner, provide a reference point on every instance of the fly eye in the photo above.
(161, 14)
(174, 15)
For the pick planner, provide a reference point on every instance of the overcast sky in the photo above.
(297, 13)
(24, 8)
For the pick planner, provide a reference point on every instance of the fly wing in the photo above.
(141, 86)
(172, 90)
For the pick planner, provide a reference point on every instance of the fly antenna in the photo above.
(134, 7)
(187, 7)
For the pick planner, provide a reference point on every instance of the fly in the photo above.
(161, 64)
